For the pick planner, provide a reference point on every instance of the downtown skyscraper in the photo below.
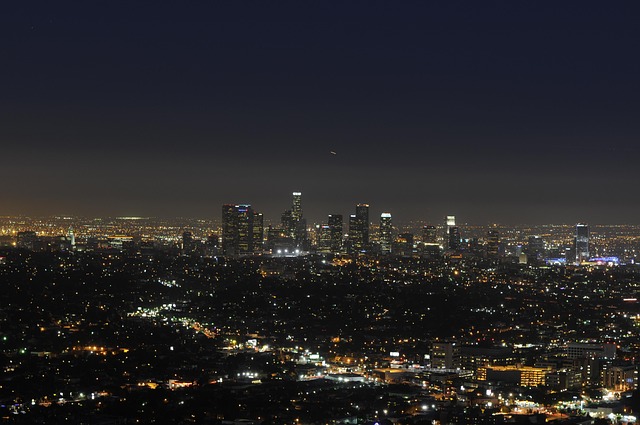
(386, 233)
(242, 230)
(582, 242)
(359, 229)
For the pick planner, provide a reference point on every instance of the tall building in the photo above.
(335, 231)
(452, 233)
(359, 229)
(535, 247)
(324, 238)
(454, 238)
(429, 235)
(294, 223)
(386, 233)
(582, 242)
(242, 230)
(288, 223)
(493, 243)
(244, 216)
(258, 232)
(229, 230)
(451, 221)
(296, 210)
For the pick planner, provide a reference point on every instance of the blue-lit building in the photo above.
(582, 242)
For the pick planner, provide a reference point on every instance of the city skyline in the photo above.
(520, 113)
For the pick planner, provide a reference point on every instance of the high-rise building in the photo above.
(229, 230)
(258, 232)
(535, 247)
(493, 243)
(335, 230)
(451, 223)
(386, 233)
(294, 223)
(244, 215)
(288, 223)
(429, 235)
(324, 238)
(454, 238)
(238, 233)
(582, 242)
(359, 229)
(296, 210)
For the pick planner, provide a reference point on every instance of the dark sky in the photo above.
(511, 112)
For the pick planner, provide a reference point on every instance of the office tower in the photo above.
(451, 221)
(535, 247)
(229, 231)
(324, 238)
(296, 210)
(258, 232)
(454, 238)
(244, 214)
(294, 223)
(238, 230)
(288, 223)
(445, 355)
(386, 230)
(493, 243)
(359, 229)
(335, 230)
(582, 242)
(429, 235)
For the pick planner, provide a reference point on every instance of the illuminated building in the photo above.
(454, 238)
(582, 242)
(294, 223)
(429, 235)
(535, 247)
(403, 245)
(296, 210)
(386, 230)
(359, 229)
(579, 350)
(445, 355)
(451, 220)
(493, 243)
(258, 232)
(620, 378)
(452, 233)
(324, 238)
(239, 238)
(335, 230)
(526, 376)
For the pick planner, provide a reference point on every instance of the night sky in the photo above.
(511, 112)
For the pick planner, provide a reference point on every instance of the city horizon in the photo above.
(320, 213)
